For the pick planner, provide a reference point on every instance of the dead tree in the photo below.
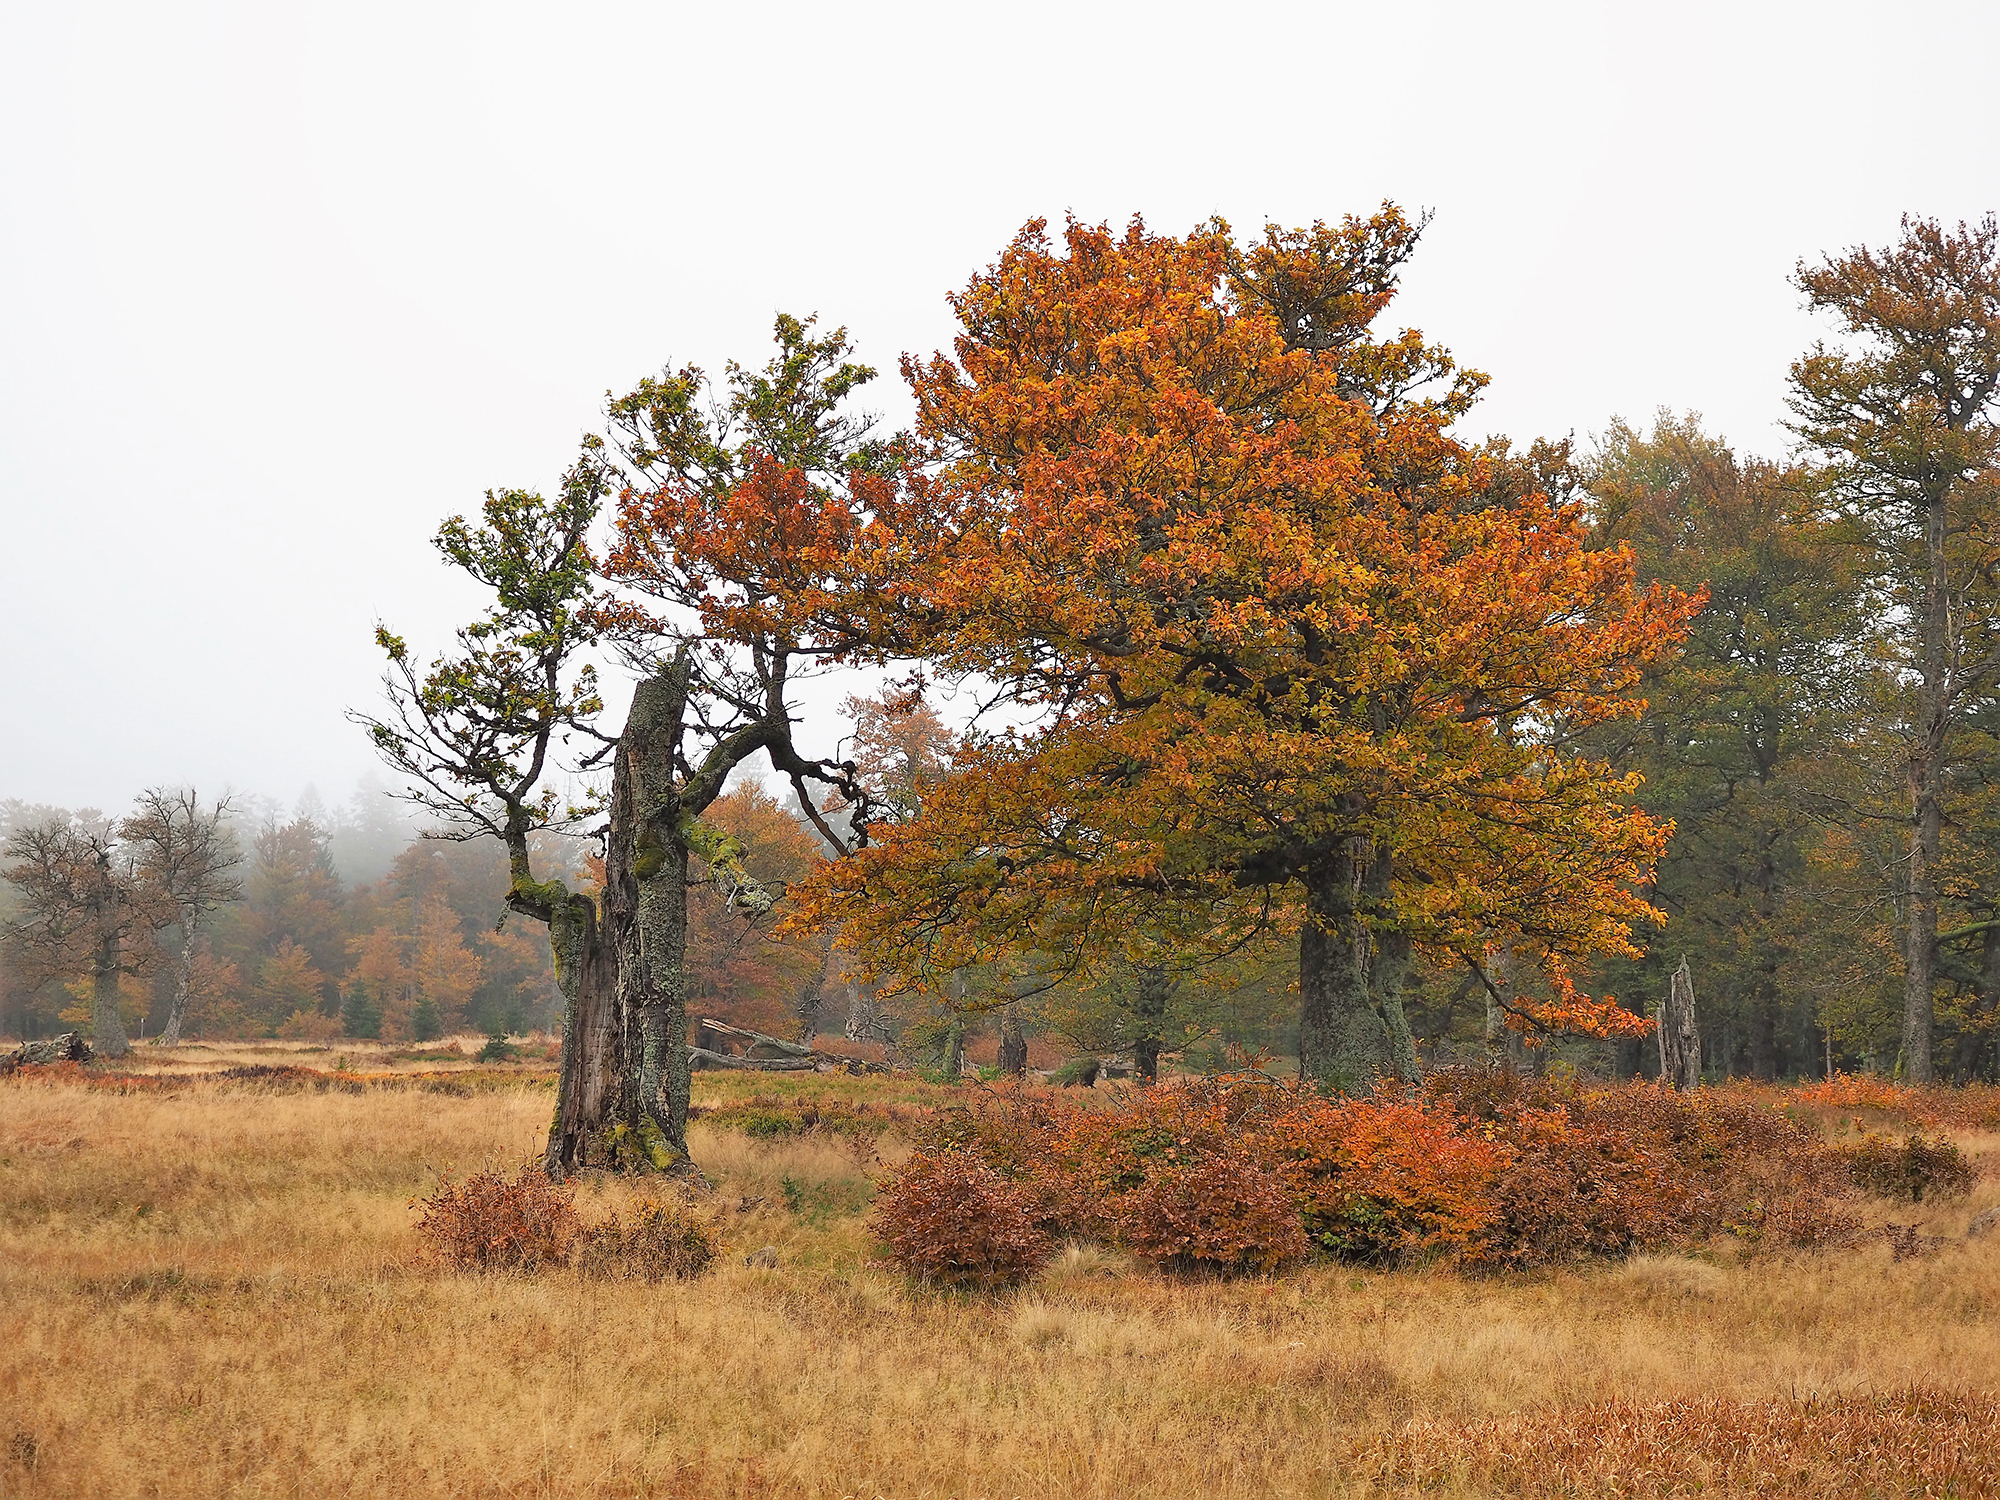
(1680, 1041)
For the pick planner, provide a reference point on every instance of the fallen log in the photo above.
(701, 1057)
(758, 1038)
(69, 1047)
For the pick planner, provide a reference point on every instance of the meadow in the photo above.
(211, 1284)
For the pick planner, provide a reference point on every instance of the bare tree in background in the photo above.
(183, 857)
(85, 903)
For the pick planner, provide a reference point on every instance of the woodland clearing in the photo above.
(211, 1286)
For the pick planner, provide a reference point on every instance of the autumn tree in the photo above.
(743, 555)
(1902, 415)
(186, 854)
(760, 537)
(85, 911)
(1285, 641)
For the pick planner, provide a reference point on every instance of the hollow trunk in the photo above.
(1680, 1040)
(1343, 1043)
(1013, 1043)
(595, 1113)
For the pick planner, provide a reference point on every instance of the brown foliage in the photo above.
(493, 1222)
(656, 1242)
(951, 1220)
(1486, 1167)
(1222, 1215)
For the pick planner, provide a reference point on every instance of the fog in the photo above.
(282, 286)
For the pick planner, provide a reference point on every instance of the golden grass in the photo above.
(215, 1291)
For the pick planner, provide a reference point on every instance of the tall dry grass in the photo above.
(215, 1291)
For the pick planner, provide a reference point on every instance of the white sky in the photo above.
(282, 285)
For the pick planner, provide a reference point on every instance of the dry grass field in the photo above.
(214, 1289)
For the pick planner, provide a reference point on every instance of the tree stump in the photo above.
(1680, 1040)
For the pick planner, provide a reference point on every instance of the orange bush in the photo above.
(1222, 1215)
(1485, 1165)
(1383, 1179)
(951, 1220)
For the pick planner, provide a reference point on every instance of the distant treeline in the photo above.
(349, 923)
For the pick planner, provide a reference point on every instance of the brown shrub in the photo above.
(493, 1222)
(951, 1220)
(655, 1242)
(1911, 1170)
(1221, 1215)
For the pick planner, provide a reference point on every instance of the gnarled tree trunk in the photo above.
(1343, 1043)
(107, 1027)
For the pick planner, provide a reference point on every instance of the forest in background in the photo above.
(350, 924)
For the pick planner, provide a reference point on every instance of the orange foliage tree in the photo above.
(1275, 640)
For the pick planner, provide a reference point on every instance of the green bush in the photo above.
(1911, 1170)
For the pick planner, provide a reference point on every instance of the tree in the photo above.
(475, 736)
(1745, 728)
(1904, 419)
(185, 855)
(743, 556)
(1287, 643)
(755, 543)
(85, 906)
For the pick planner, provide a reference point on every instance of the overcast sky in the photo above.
(282, 285)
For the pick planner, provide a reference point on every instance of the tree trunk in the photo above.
(594, 1107)
(1680, 1040)
(1926, 778)
(107, 1028)
(1389, 966)
(1013, 1044)
(177, 1008)
(1343, 1043)
(651, 932)
(1920, 943)
(1155, 988)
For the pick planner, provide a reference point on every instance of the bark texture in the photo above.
(1680, 1038)
(1352, 1027)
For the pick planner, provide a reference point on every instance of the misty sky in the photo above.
(282, 285)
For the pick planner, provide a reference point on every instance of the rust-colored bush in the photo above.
(1383, 1179)
(1222, 1215)
(656, 1241)
(1912, 1171)
(493, 1222)
(951, 1220)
